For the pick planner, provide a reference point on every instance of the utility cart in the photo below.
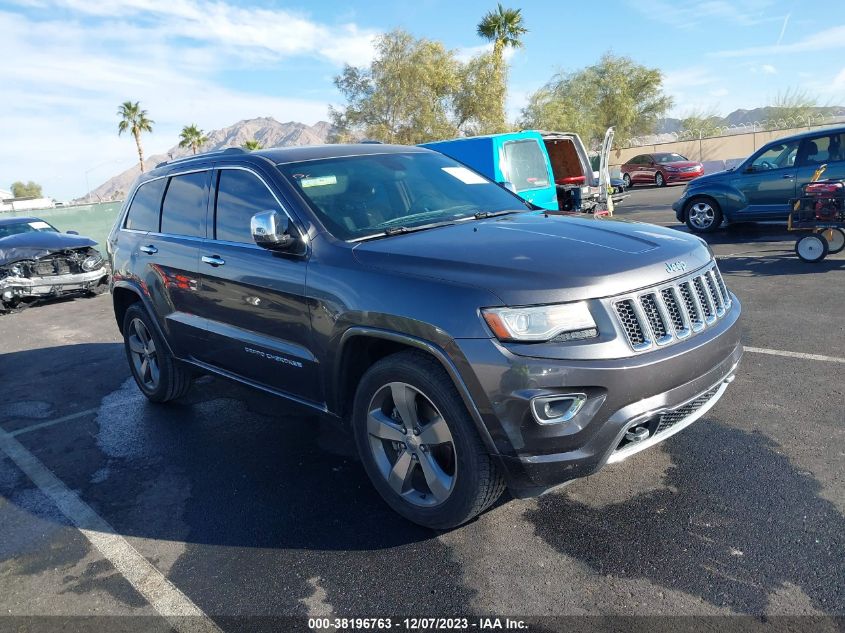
(820, 212)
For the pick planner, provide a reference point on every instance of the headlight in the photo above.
(92, 262)
(568, 321)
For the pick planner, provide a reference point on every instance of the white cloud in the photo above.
(250, 32)
(768, 69)
(65, 75)
(679, 15)
(825, 40)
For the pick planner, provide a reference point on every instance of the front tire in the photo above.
(419, 445)
(659, 179)
(627, 179)
(157, 373)
(702, 215)
(811, 248)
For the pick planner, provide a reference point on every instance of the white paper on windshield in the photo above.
(465, 175)
(39, 225)
(318, 181)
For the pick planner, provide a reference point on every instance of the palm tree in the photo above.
(251, 145)
(134, 120)
(193, 137)
(504, 28)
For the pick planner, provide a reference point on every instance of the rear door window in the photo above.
(526, 165)
(183, 210)
(240, 195)
(144, 210)
(822, 149)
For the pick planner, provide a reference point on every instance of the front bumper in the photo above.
(681, 176)
(12, 288)
(621, 393)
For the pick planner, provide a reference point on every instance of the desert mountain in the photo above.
(266, 130)
(740, 117)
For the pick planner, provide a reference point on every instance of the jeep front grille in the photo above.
(671, 312)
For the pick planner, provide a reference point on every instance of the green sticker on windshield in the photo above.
(318, 181)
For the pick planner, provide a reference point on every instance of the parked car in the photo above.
(660, 169)
(761, 186)
(544, 168)
(38, 262)
(471, 341)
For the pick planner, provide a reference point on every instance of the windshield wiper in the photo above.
(400, 230)
(480, 215)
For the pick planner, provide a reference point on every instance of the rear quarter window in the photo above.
(183, 210)
(144, 210)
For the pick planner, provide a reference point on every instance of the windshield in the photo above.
(31, 226)
(669, 158)
(361, 196)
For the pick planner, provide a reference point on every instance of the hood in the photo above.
(34, 245)
(533, 258)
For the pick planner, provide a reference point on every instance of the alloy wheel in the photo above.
(143, 351)
(701, 215)
(411, 444)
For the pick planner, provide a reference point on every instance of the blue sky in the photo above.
(67, 64)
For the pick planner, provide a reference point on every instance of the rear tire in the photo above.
(835, 240)
(702, 215)
(811, 248)
(627, 179)
(159, 375)
(397, 404)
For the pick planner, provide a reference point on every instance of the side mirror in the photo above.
(508, 185)
(71, 232)
(273, 231)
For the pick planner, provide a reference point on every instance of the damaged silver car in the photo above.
(37, 261)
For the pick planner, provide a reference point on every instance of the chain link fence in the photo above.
(713, 131)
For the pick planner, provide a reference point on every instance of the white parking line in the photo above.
(183, 615)
(72, 416)
(780, 352)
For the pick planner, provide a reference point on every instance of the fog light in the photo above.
(8, 294)
(557, 409)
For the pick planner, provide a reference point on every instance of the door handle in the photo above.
(149, 249)
(214, 260)
(787, 176)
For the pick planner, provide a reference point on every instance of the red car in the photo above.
(660, 169)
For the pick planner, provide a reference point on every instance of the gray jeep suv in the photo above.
(471, 342)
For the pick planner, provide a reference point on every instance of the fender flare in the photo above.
(438, 353)
(127, 285)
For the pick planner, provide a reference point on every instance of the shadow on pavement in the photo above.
(735, 522)
(256, 505)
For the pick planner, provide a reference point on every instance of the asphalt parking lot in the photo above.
(236, 504)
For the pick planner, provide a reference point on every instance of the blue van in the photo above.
(542, 167)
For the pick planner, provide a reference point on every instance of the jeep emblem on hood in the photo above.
(676, 267)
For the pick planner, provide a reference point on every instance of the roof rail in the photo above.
(228, 150)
